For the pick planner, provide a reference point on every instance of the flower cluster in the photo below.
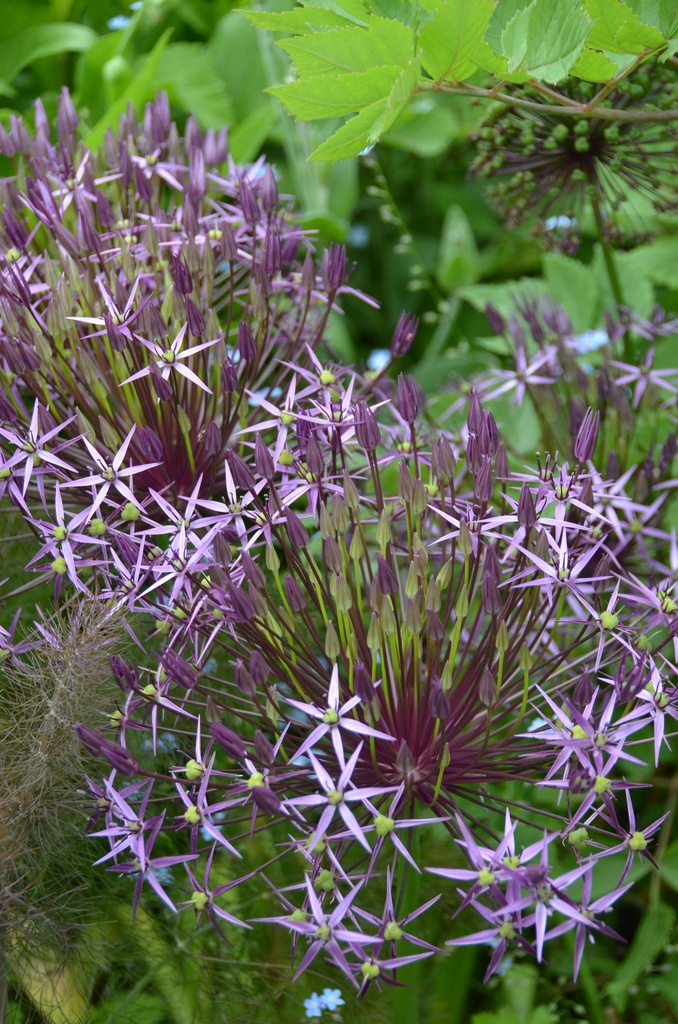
(150, 296)
(549, 163)
(356, 630)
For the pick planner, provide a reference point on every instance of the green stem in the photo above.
(611, 268)
(407, 1004)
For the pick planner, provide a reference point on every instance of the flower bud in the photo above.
(228, 740)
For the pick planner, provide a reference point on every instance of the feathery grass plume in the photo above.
(548, 166)
(152, 295)
(398, 626)
(59, 682)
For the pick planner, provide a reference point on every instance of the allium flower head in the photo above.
(547, 164)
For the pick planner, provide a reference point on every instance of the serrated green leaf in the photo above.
(353, 137)
(21, 49)
(617, 29)
(546, 39)
(384, 42)
(593, 66)
(649, 941)
(504, 11)
(400, 10)
(661, 14)
(353, 11)
(450, 40)
(141, 90)
(397, 101)
(335, 95)
(300, 21)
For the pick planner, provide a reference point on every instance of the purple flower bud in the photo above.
(263, 459)
(196, 323)
(440, 701)
(241, 472)
(263, 750)
(388, 581)
(583, 690)
(269, 191)
(332, 555)
(150, 444)
(488, 437)
(8, 413)
(408, 398)
(228, 740)
(67, 116)
(266, 800)
(179, 670)
(182, 276)
(215, 147)
(308, 273)
(229, 246)
(526, 511)
(244, 680)
(502, 469)
(212, 438)
(144, 186)
(296, 531)
(241, 604)
(366, 427)
(630, 686)
(248, 201)
(252, 571)
(116, 755)
(495, 319)
(333, 268)
(487, 689)
(585, 444)
(314, 457)
(362, 683)
(484, 481)
(228, 377)
(125, 675)
(443, 462)
(272, 255)
(246, 344)
(162, 387)
(259, 669)
(404, 335)
(475, 413)
(295, 594)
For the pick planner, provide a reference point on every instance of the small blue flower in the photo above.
(589, 341)
(314, 1005)
(118, 22)
(331, 998)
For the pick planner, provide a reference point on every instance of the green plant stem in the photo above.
(611, 268)
(407, 1008)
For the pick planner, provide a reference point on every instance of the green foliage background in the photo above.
(423, 237)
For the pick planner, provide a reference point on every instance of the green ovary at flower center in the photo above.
(637, 842)
(512, 861)
(383, 824)
(194, 770)
(601, 785)
(255, 780)
(323, 932)
(334, 797)
(168, 356)
(485, 877)
(392, 932)
(60, 533)
(370, 971)
(200, 900)
(330, 717)
(192, 815)
(578, 733)
(506, 930)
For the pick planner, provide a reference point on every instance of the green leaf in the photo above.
(657, 261)
(300, 21)
(399, 10)
(397, 101)
(385, 42)
(336, 95)
(668, 868)
(192, 83)
(141, 90)
(22, 48)
(546, 39)
(661, 14)
(354, 11)
(575, 286)
(450, 41)
(426, 132)
(617, 29)
(458, 262)
(649, 941)
(353, 137)
(593, 66)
